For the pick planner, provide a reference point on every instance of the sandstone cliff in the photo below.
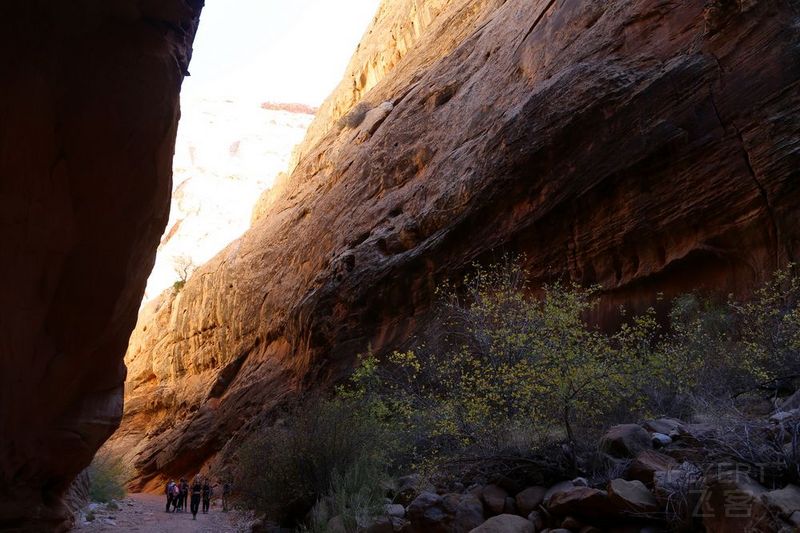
(88, 114)
(646, 146)
(227, 152)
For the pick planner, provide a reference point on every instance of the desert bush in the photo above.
(355, 496)
(107, 475)
(513, 373)
(509, 372)
(768, 327)
(353, 118)
(766, 451)
(732, 348)
(326, 448)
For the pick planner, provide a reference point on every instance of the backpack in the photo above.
(176, 490)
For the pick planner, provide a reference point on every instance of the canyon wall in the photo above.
(647, 146)
(88, 115)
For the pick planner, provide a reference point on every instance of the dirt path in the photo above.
(145, 513)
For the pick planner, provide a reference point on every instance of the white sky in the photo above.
(276, 50)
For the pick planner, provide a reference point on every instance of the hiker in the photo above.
(226, 494)
(197, 490)
(184, 493)
(168, 492)
(206, 495)
(176, 496)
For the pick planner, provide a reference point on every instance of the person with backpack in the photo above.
(176, 496)
(197, 490)
(184, 493)
(168, 492)
(226, 494)
(206, 495)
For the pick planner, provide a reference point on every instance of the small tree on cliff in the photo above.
(184, 267)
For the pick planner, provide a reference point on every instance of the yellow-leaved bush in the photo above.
(509, 367)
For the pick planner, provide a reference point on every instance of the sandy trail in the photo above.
(145, 513)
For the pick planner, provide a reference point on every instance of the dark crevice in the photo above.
(750, 168)
(536, 22)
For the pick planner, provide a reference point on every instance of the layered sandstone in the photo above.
(88, 114)
(645, 146)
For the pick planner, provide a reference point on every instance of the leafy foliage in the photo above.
(517, 371)
(513, 366)
(327, 448)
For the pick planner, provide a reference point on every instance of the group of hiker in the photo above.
(200, 490)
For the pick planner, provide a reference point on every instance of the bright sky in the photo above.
(276, 50)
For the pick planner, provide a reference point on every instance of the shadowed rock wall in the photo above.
(88, 115)
(646, 146)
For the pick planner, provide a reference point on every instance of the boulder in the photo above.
(450, 513)
(468, 514)
(646, 464)
(395, 509)
(572, 523)
(660, 440)
(792, 402)
(530, 499)
(783, 417)
(505, 523)
(561, 486)
(678, 483)
(537, 519)
(732, 501)
(382, 524)
(665, 426)
(495, 498)
(786, 501)
(427, 513)
(631, 496)
(584, 502)
(625, 440)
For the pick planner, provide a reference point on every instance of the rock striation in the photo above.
(88, 115)
(644, 146)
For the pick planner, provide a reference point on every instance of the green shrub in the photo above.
(353, 118)
(107, 475)
(178, 286)
(511, 374)
(325, 448)
(355, 496)
(511, 370)
(732, 348)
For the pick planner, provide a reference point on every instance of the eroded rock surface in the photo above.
(88, 114)
(645, 146)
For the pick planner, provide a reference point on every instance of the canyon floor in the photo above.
(145, 513)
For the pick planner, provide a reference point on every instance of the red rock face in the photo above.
(88, 114)
(645, 146)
